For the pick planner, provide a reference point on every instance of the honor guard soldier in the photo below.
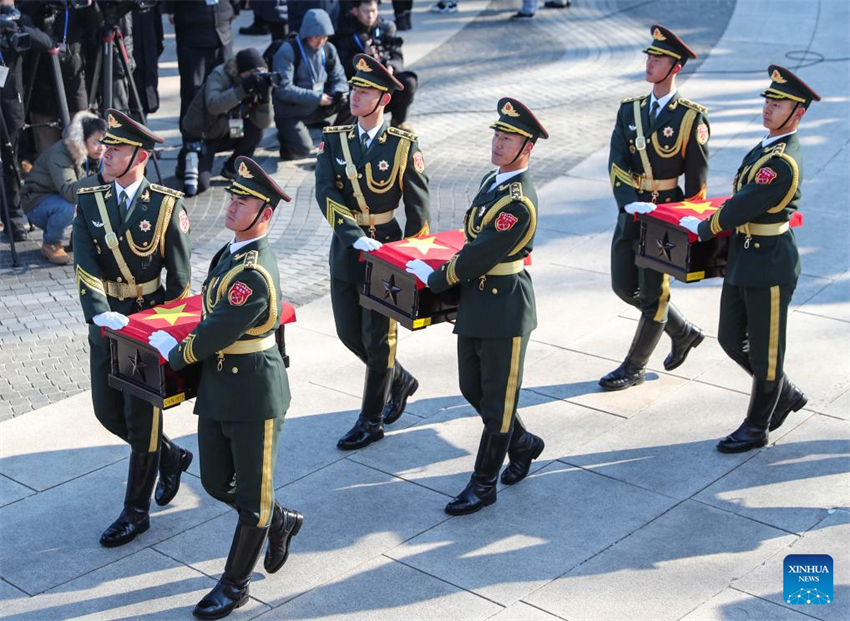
(244, 390)
(658, 138)
(496, 310)
(763, 263)
(125, 233)
(363, 173)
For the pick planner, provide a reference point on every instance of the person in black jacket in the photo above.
(147, 48)
(11, 102)
(363, 31)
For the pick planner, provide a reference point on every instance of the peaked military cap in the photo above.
(372, 74)
(121, 129)
(252, 180)
(666, 43)
(785, 85)
(515, 118)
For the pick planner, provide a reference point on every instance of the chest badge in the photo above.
(383, 165)
(667, 131)
(340, 162)
(98, 225)
(633, 128)
(144, 226)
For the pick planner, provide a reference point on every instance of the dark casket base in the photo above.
(135, 369)
(392, 292)
(665, 248)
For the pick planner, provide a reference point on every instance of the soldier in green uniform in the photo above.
(497, 310)
(125, 232)
(363, 173)
(658, 138)
(244, 391)
(763, 263)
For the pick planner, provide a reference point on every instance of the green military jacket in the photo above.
(391, 171)
(499, 229)
(676, 144)
(766, 191)
(241, 304)
(153, 234)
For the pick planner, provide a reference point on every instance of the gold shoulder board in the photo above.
(401, 133)
(631, 99)
(778, 149)
(692, 105)
(516, 191)
(96, 188)
(338, 129)
(251, 259)
(168, 191)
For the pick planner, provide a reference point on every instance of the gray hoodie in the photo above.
(319, 71)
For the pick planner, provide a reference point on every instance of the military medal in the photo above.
(144, 226)
(667, 131)
(383, 165)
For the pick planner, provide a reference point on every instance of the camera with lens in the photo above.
(11, 37)
(114, 10)
(269, 78)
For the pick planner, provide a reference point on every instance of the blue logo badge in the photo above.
(808, 579)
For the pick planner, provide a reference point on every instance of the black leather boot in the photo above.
(524, 448)
(685, 336)
(174, 461)
(231, 592)
(792, 399)
(369, 427)
(135, 518)
(285, 525)
(633, 370)
(753, 432)
(480, 492)
(403, 386)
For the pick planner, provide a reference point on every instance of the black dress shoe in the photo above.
(364, 433)
(685, 336)
(134, 518)
(476, 495)
(170, 468)
(403, 387)
(745, 438)
(753, 432)
(480, 492)
(624, 376)
(522, 452)
(792, 399)
(633, 369)
(285, 525)
(127, 527)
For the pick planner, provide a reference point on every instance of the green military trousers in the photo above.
(645, 289)
(752, 327)
(369, 335)
(133, 420)
(490, 374)
(238, 459)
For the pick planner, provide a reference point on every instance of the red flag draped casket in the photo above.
(666, 247)
(138, 369)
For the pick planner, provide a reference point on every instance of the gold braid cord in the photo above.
(618, 174)
(399, 165)
(92, 282)
(333, 209)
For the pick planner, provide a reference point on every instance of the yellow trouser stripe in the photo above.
(392, 340)
(663, 300)
(266, 484)
(154, 431)
(511, 389)
(773, 341)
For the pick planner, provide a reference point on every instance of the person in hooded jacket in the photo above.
(313, 85)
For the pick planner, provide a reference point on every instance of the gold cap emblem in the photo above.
(508, 110)
(777, 77)
(244, 172)
(111, 121)
(656, 34)
(362, 65)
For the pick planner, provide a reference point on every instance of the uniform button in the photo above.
(360, 176)
(119, 279)
(120, 239)
(495, 291)
(234, 370)
(758, 245)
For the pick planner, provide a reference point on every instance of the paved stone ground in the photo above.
(629, 513)
(568, 66)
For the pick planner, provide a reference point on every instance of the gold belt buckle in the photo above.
(351, 172)
(640, 143)
(111, 240)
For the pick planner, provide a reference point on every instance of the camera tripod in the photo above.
(58, 91)
(5, 209)
(112, 42)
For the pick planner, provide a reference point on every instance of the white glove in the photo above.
(163, 342)
(367, 244)
(639, 208)
(691, 223)
(111, 320)
(420, 269)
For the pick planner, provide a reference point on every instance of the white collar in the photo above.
(235, 246)
(770, 140)
(130, 190)
(371, 133)
(502, 177)
(663, 101)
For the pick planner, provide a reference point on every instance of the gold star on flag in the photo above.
(171, 315)
(423, 244)
(700, 208)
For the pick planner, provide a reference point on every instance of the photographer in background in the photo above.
(363, 31)
(50, 192)
(17, 36)
(313, 86)
(230, 113)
